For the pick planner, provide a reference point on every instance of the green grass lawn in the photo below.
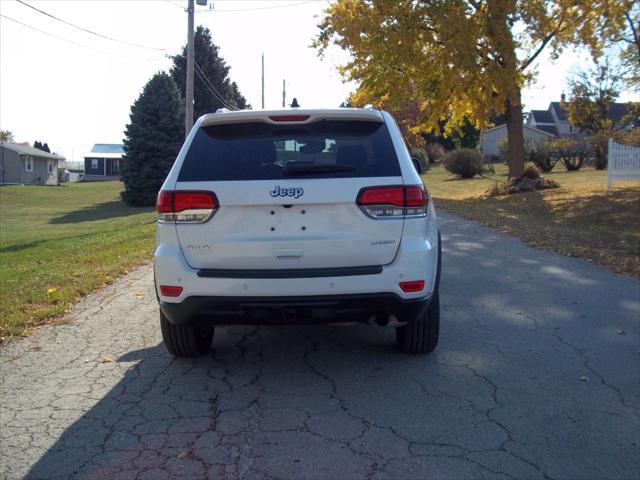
(60, 243)
(582, 218)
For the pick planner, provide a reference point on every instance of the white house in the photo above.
(491, 137)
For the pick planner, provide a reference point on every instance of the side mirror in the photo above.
(417, 164)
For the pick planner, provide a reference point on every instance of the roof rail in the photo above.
(223, 110)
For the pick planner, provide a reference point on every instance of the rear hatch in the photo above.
(285, 194)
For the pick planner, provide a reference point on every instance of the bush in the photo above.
(540, 156)
(631, 138)
(571, 152)
(598, 148)
(464, 163)
(435, 152)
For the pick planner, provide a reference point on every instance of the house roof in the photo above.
(30, 151)
(560, 112)
(542, 116)
(549, 129)
(106, 150)
(617, 111)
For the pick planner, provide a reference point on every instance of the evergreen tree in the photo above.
(152, 139)
(45, 147)
(37, 145)
(215, 70)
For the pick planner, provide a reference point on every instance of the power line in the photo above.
(255, 8)
(75, 43)
(174, 4)
(89, 31)
(207, 85)
(215, 92)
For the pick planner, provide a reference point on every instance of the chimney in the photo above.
(563, 97)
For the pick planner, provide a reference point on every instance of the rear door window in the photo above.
(261, 151)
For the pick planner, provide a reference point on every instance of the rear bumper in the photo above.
(293, 310)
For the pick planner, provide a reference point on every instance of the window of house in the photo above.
(94, 163)
(50, 166)
(28, 164)
(115, 166)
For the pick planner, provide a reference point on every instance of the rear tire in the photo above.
(421, 335)
(185, 340)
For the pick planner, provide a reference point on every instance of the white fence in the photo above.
(623, 162)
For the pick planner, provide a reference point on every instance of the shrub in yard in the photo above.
(435, 152)
(571, 152)
(465, 163)
(598, 145)
(541, 157)
(152, 140)
(631, 138)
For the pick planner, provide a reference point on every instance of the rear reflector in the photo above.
(170, 291)
(185, 206)
(393, 201)
(289, 118)
(413, 286)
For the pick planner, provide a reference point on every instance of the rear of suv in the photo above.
(291, 217)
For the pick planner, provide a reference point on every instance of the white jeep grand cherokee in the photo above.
(296, 216)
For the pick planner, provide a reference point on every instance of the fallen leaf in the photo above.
(584, 378)
(107, 359)
(51, 291)
(139, 294)
(184, 454)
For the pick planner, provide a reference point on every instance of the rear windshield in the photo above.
(261, 151)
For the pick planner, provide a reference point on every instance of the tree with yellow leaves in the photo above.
(461, 58)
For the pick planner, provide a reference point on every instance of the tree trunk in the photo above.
(515, 137)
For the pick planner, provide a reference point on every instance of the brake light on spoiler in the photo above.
(393, 201)
(185, 206)
(288, 118)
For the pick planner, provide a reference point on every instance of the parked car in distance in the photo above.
(296, 216)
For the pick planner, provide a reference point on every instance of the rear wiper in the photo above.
(293, 170)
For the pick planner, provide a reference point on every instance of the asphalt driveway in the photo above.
(537, 376)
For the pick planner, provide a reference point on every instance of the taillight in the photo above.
(393, 201)
(185, 206)
(412, 286)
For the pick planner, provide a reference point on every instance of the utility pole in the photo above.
(263, 80)
(188, 116)
(284, 93)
